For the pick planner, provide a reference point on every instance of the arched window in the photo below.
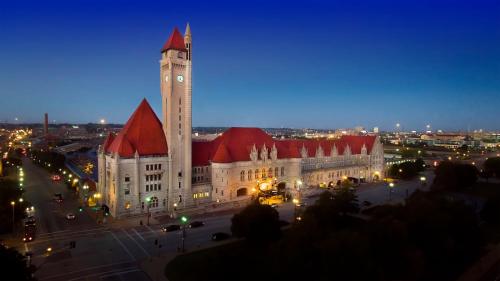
(257, 174)
(263, 173)
(270, 172)
(154, 202)
(242, 176)
(249, 175)
(282, 171)
(276, 172)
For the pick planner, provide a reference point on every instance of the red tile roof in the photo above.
(175, 42)
(143, 133)
(222, 155)
(108, 141)
(235, 144)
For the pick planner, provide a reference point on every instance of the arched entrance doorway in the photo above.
(241, 192)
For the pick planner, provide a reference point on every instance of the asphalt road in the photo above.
(50, 215)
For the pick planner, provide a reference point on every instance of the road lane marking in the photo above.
(106, 273)
(123, 246)
(137, 243)
(129, 263)
(138, 234)
(150, 229)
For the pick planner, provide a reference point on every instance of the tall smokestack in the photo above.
(46, 124)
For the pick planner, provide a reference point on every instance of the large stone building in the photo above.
(154, 166)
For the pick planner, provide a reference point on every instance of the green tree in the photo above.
(257, 223)
(454, 176)
(15, 265)
(345, 201)
(491, 211)
(492, 166)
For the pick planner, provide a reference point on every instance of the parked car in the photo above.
(58, 197)
(70, 216)
(170, 227)
(284, 223)
(219, 236)
(196, 224)
(367, 203)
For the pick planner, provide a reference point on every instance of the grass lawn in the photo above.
(237, 258)
(484, 190)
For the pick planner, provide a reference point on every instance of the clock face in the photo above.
(180, 78)
(166, 78)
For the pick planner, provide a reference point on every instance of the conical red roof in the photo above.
(175, 41)
(143, 133)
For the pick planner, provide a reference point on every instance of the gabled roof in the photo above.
(143, 133)
(175, 42)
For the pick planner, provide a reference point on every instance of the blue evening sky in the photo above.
(316, 64)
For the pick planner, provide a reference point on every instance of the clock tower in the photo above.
(175, 84)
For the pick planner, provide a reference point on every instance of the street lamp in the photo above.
(391, 186)
(13, 204)
(184, 221)
(148, 201)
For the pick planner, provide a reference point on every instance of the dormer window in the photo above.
(180, 55)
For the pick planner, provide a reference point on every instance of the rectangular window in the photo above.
(159, 166)
(127, 179)
(147, 167)
(127, 189)
(179, 184)
(159, 186)
(147, 187)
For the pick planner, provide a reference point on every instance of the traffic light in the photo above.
(184, 219)
(80, 209)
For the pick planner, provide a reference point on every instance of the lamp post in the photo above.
(148, 201)
(391, 186)
(184, 221)
(13, 204)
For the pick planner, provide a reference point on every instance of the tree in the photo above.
(15, 265)
(491, 211)
(455, 176)
(345, 201)
(492, 166)
(257, 223)
(9, 192)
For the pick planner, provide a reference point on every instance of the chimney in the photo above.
(46, 124)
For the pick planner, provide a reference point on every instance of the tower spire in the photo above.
(188, 31)
(188, 41)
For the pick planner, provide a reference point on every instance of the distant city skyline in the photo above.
(300, 65)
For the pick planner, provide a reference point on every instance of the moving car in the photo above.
(196, 224)
(219, 236)
(70, 216)
(30, 221)
(56, 177)
(29, 233)
(170, 227)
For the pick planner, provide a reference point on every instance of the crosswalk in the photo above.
(100, 252)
